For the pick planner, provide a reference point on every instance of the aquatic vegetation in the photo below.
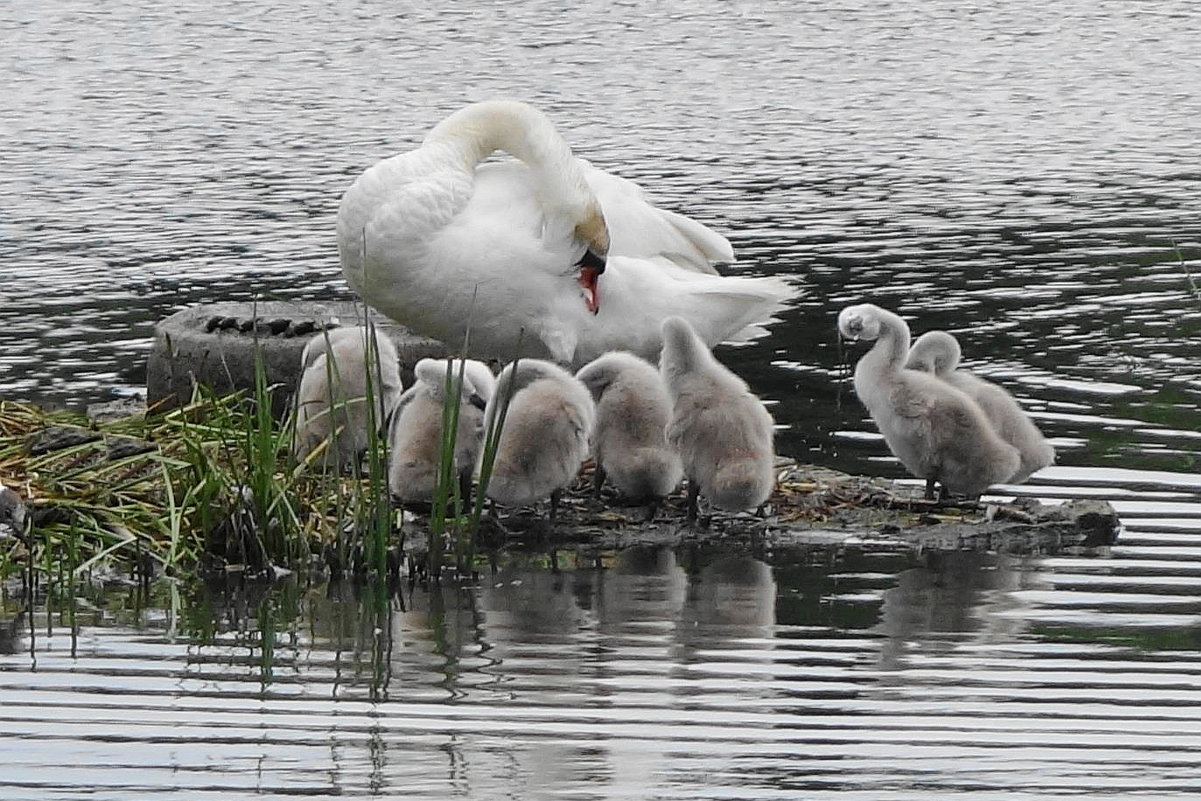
(210, 479)
(215, 482)
(1190, 279)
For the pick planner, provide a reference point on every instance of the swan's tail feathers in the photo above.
(740, 309)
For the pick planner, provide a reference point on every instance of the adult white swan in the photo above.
(576, 257)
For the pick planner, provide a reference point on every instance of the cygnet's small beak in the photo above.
(851, 328)
(476, 401)
(591, 267)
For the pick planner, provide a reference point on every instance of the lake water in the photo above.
(1023, 174)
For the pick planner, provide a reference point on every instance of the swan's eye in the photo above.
(591, 260)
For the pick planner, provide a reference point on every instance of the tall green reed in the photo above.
(378, 515)
(449, 499)
(447, 489)
(492, 440)
(277, 523)
(1193, 288)
(361, 503)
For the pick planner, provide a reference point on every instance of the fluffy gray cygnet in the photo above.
(331, 401)
(721, 430)
(544, 438)
(935, 430)
(629, 440)
(938, 352)
(415, 436)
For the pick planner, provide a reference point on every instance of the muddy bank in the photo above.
(811, 506)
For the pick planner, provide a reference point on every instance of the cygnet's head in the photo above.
(859, 322)
(351, 342)
(934, 352)
(683, 351)
(432, 374)
(523, 372)
(680, 338)
(602, 371)
(12, 511)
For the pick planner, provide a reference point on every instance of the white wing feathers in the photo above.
(639, 229)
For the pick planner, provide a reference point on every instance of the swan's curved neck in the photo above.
(522, 131)
(892, 346)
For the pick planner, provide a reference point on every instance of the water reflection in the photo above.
(1004, 174)
(953, 597)
(10, 633)
(725, 671)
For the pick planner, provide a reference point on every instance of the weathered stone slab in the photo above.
(215, 344)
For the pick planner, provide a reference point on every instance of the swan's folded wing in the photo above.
(392, 208)
(915, 406)
(639, 229)
(713, 246)
(736, 308)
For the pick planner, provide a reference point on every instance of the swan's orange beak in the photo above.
(591, 266)
(588, 278)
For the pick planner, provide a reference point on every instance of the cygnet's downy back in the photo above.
(938, 352)
(415, 436)
(936, 431)
(544, 437)
(721, 430)
(629, 441)
(331, 401)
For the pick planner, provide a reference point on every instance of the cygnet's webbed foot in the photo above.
(940, 496)
(598, 481)
(555, 497)
(945, 499)
(930, 483)
(693, 517)
(690, 507)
